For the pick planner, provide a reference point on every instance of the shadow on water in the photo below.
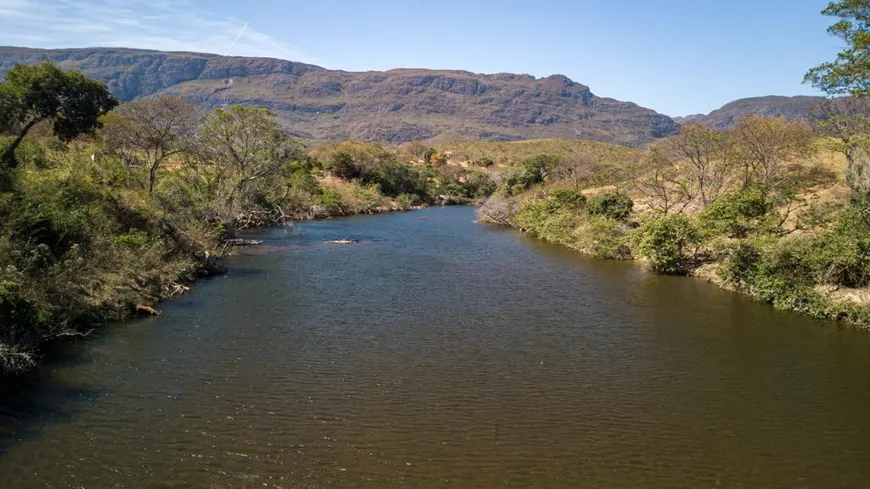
(31, 402)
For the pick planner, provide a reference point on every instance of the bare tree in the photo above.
(706, 159)
(576, 169)
(157, 128)
(766, 146)
(666, 188)
(847, 120)
(498, 210)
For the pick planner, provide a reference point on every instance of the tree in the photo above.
(662, 183)
(766, 145)
(157, 127)
(614, 205)
(72, 102)
(576, 169)
(850, 72)
(670, 243)
(847, 121)
(414, 149)
(246, 145)
(537, 169)
(706, 159)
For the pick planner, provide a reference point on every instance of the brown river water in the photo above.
(442, 353)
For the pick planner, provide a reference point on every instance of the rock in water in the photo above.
(147, 310)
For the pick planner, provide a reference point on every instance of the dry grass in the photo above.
(504, 153)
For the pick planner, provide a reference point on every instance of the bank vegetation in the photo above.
(107, 208)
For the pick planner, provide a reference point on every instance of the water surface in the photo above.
(442, 353)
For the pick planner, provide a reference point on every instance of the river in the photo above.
(438, 352)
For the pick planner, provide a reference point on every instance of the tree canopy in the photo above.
(157, 127)
(33, 94)
(849, 74)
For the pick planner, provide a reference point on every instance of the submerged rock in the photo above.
(243, 242)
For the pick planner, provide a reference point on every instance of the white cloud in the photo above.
(172, 25)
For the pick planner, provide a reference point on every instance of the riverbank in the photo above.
(315, 358)
(806, 272)
(91, 234)
(96, 254)
(767, 208)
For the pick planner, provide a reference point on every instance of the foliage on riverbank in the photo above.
(103, 222)
(772, 208)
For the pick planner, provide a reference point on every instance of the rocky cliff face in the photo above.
(392, 106)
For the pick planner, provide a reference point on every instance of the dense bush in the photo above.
(396, 178)
(841, 255)
(567, 199)
(602, 237)
(536, 169)
(740, 214)
(670, 243)
(614, 205)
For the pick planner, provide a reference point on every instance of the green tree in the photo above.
(537, 169)
(33, 94)
(242, 151)
(247, 144)
(850, 72)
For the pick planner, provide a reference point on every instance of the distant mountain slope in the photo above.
(801, 107)
(392, 106)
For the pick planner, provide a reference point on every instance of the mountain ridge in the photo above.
(392, 106)
(790, 107)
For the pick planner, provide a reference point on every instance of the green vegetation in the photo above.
(33, 94)
(850, 72)
(765, 207)
(105, 212)
(757, 208)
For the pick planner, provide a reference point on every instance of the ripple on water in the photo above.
(441, 353)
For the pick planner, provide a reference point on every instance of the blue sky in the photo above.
(674, 56)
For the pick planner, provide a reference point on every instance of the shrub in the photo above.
(741, 265)
(547, 220)
(330, 199)
(303, 180)
(670, 243)
(498, 210)
(739, 214)
(403, 202)
(568, 199)
(396, 178)
(841, 255)
(602, 237)
(535, 169)
(614, 205)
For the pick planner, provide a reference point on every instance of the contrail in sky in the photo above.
(237, 38)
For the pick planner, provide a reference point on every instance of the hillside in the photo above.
(392, 106)
(515, 151)
(801, 107)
